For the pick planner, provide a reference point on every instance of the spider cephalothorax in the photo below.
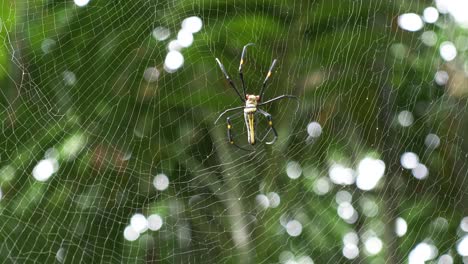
(252, 104)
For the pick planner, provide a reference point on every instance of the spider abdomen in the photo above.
(250, 124)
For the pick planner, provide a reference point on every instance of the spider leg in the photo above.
(242, 60)
(286, 96)
(256, 125)
(266, 79)
(229, 79)
(270, 124)
(228, 110)
(230, 134)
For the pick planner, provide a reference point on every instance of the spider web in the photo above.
(110, 154)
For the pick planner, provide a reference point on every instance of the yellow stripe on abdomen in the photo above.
(251, 119)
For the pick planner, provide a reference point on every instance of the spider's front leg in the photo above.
(242, 61)
(271, 127)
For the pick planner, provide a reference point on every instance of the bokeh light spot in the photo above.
(462, 246)
(304, 260)
(184, 38)
(345, 210)
(151, 74)
(161, 33)
(410, 22)
(274, 199)
(131, 234)
(343, 196)
(400, 227)
(429, 38)
(430, 15)
(422, 252)
(314, 129)
(441, 78)
(69, 78)
(161, 182)
(341, 175)
(432, 141)
(322, 186)
(294, 228)
(464, 224)
(81, 2)
(192, 24)
(138, 223)
(351, 238)
(370, 171)
(44, 169)
(420, 172)
(262, 201)
(405, 118)
(373, 245)
(409, 160)
(350, 251)
(60, 255)
(174, 60)
(447, 51)
(293, 170)
(155, 222)
(445, 259)
(47, 45)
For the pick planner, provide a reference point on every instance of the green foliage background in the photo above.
(340, 58)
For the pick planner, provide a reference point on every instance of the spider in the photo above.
(252, 103)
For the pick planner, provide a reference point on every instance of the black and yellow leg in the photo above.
(271, 127)
(242, 61)
(230, 134)
(221, 66)
(270, 71)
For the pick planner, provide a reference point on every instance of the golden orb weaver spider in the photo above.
(252, 104)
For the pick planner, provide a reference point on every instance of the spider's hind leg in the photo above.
(230, 134)
(271, 127)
